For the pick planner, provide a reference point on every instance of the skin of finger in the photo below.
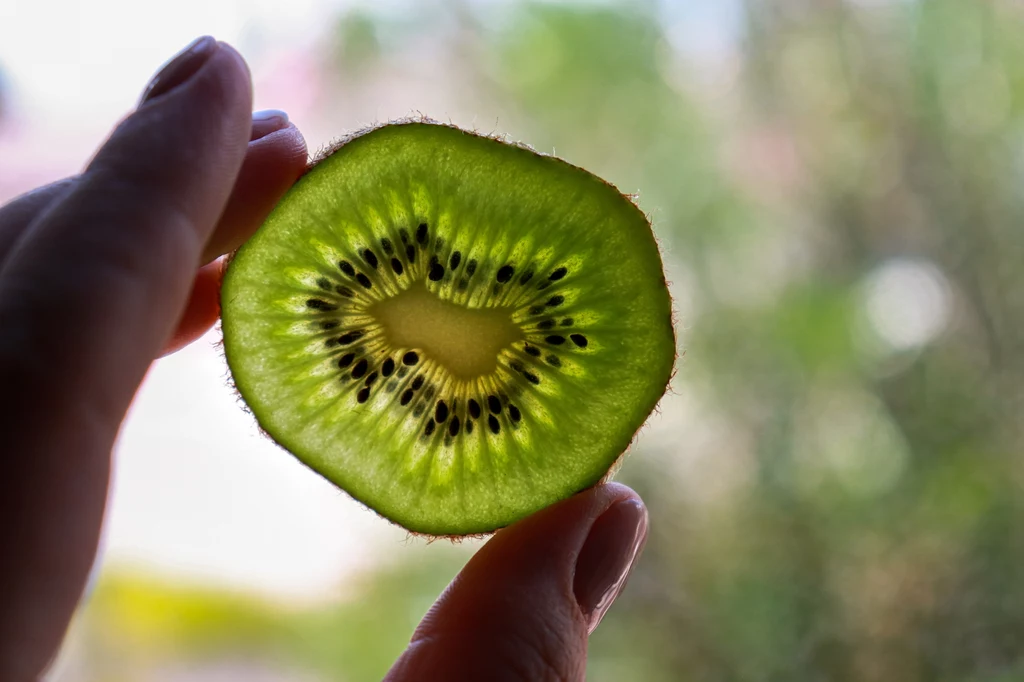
(18, 214)
(510, 615)
(202, 310)
(272, 165)
(88, 298)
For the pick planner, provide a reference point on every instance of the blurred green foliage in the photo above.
(134, 620)
(835, 483)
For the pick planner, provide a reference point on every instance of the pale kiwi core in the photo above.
(466, 341)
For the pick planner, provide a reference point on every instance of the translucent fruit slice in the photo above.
(454, 330)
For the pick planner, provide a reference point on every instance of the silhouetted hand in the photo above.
(102, 272)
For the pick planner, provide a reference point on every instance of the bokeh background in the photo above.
(835, 479)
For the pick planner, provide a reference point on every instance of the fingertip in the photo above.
(287, 145)
(272, 165)
(207, 71)
(267, 121)
(239, 61)
(607, 557)
(513, 612)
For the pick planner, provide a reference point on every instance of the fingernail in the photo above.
(266, 122)
(607, 558)
(182, 67)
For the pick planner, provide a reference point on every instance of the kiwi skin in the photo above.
(609, 471)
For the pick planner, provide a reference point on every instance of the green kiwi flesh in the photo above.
(455, 330)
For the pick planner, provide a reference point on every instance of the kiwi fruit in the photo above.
(455, 330)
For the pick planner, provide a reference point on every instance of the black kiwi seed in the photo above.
(505, 273)
(463, 284)
(428, 393)
(411, 358)
(318, 304)
(363, 395)
(329, 324)
(417, 383)
(471, 267)
(406, 397)
(493, 404)
(371, 378)
(537, 310)
(388, 367)
(347, 268)
(436, 272)
(544, 285)
(546, 324)
(388, 247)
(370, 257)
(403, 234)
(474, 410)
(453, 262)
(555, 301)
(324, 283)
(351, 337)
(567, 322)
(396, 265)
(453, 428)
(532, 378)
(527, 276)
(493, 423)
(579, 340)
(360, 368)
(514, 414)
(429, 428)
(557, 274)
(555, 339)
(421, 234)
(364, 280)
(344, 291)
(441, 412)
(469, 426)
(516, 366)
(346, 360)
(330, 343)
(410, 253)
(417, 411)
(532, 350)
(553, 361)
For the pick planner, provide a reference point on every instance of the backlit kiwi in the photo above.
(455, 330)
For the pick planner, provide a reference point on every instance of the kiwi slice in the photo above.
(455, 330)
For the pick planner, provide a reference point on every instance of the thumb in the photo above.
(522, 608)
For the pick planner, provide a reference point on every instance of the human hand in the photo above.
(102, 272)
